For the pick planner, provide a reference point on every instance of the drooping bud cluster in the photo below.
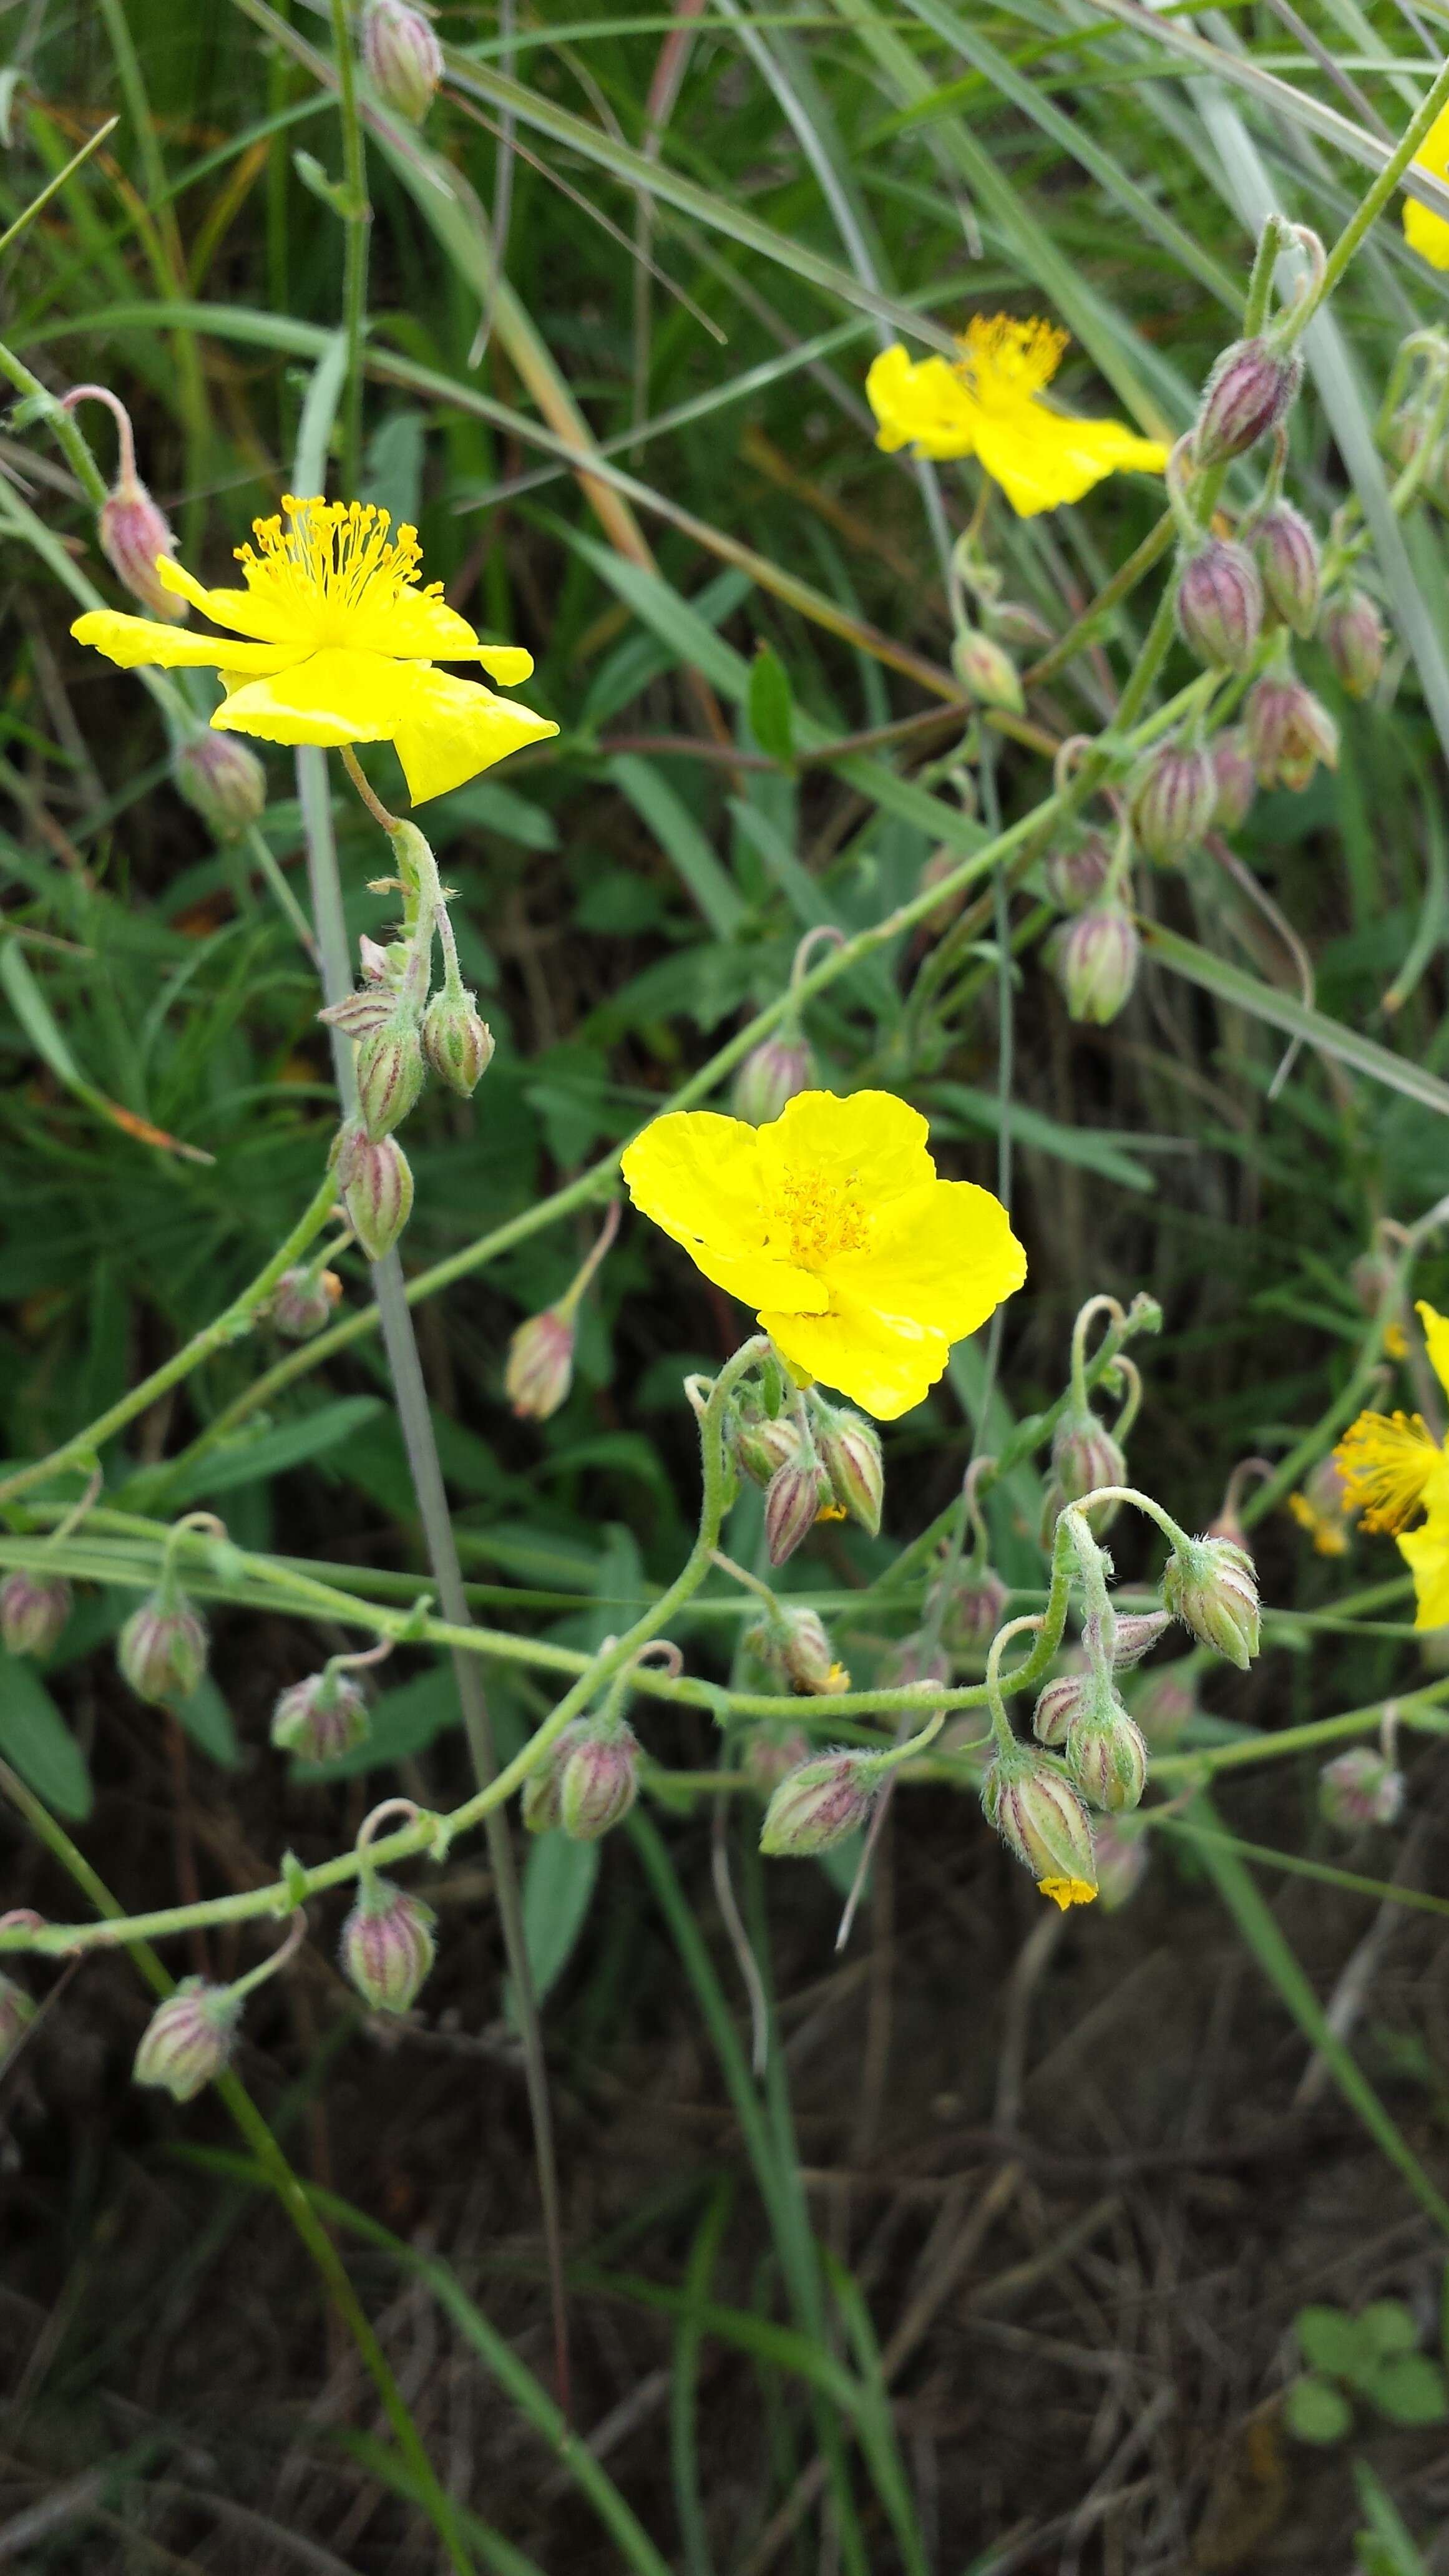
(824, 1464)
(819, 1804)
(1040, 1817)
(1360, 1788)
(221, 780)
(387, 1945)
(1210, 1585)
(321, 1717)
(161, 1649)
(33, 1611)
(402, 55)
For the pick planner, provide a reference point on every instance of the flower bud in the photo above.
(1039, 1816)
(1121, 1856)
(1107, 1758)
(360, 1014)
(132, 534)
(1096, 963)
(162, 1649)
(377, 1188)
(381, 965)
(1246, 395)
(1135, 1635)
(17, 2012)
(540, 1367)
(1360, 1788)
(772, 1074)
(1172, 799)
(1237, 780)
(793, 1500)
(598, 1782)
(769, 1753)
(815, 1807)
(1372, 1276)
(1211, 1587)
(973, 1607)
(1058, 1708)
(402, 55)
(221, 780)
(1220, 605)
(189, 2039)
(806, 1655)
(321, 1717)
(539, 1804)
(1076, 871)
(758, 1445)
(302, 1302)
(850, 1453)
(457, 1043)
(986, 672)
(1289, 731)
(1287, 555)
(387, 1944)
(1164, 1706)
(389, 1076)
(33, 1610)
(1355, 639)
(1085, 1456)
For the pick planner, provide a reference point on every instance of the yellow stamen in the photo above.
(817, 1218)
(1005, 361)
(1328, 1531)
(1385, 1461)
(1067, 1891)
(333, 555)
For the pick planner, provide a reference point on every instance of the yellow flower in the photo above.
(1429, 234)
(340, 647)
(863, 1266)
(1323, 1509)
(1067, 1891)
(988, 405)
(1392, 1467)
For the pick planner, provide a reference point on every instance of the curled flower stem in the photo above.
(566, 1304)
(125, 435)
(823, 935)
(296, 1935)
(1094, 1306)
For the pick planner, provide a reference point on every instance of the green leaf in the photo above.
(1316, 2411)
(35, 1739)
(558, 1884)
(1411, 2389)
(771, 705)
(1387, 2328)
(678, 834)
(1387, 2547)
(1329, 2340)
(1284, 1011)
(290, 1444)
(1084, 1146)
(328, 192)
(491, 808)
(208, 1722)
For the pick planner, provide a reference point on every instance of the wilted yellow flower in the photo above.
(1323, 1509)
(1429, 234)
(988, 404)
(1392, 1467)
(340, 647)
(831, 1222)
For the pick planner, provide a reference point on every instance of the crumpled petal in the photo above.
(1436, 1328)
(1429, 234)
(333, 697)
(943, 1256)
(921, 403)
(697, 1176)
(446, 730)
(135, 640)
(244, 611)
(884, 1364)
(1426, 1553)
(871, 1142)
(1042, 458)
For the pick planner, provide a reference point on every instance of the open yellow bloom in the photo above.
(1392, 1467)
(340, 646)
(1429, 234)
(863, 1267)
(989, 405)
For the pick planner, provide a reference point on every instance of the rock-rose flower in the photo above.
(340, 646)
(988, 404)
(1391, 1466)
(1424, 232)
(863, 1267)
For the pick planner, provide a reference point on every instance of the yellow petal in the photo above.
(697, 1175)
(446, 730)
(419, 626)
(242, 610)
(944, 1255)
(1429, 234)
(884, 1365)
(871, 1142)
(1042, 458)
(1426, 1553)
(328, 697)
(923, 404)
(135, 640)
(1436, 1336)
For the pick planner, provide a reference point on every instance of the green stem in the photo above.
(356, 224)
(1370, 205)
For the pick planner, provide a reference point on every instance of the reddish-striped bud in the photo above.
(1289, 732)
(850, 1453)
(403, 58)
(1288, 559)
(189, 2039)
(457, 1041)
(768, 1754)
(387, 1945)
(1356, 640)
(972, 1609)
(1172, 799)
(389, 1076)
(540, 1366)
(772, 1075)
(1096, 963)
(1237, 780)
(1029, 1799)
(1076, 871)
(1220, 605)
(321, 1717)
(1106, 1757)
(377, 1188)
(598, 1781)
(1360, 1788)
(794, 1499)
(1211, 1587)
(33, 1610)
(302, 1302)
(133, 536)
(1058, 1707)
(162, 1648)
(221, 780)
(818, 1805)
(1247, 394)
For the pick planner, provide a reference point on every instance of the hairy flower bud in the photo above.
(540, 1366)
(539, 1804)
(772, 1074)
(1121, 1856)
(793, 1500)
(1107, 1757)
(1355, 639)
(162, 1648)
(598, 1781)
(360, 1014)
(33, 1610)
(1211, 1587)
(802, 1653)
(189, 2039)
(17, 2012)
(1288, 559)
(1237, 780)
(403, 58)
(1085, 1456)
(381, 965)
(133, 533)
(1076, 871)
(457, 1042)
(768, 1754)
(1164, 1706)
(1096, 963)
(987, 673)
(850, 1453)
(1135, 1635)
(758, 1446)
(387, 1944)
(1360, 1788)
(1220, 605)
(816, 1806)
(321, 1717)
(389, 1076)
(1039, 1816)
(973, 1606)
(1289, 731)
(221, 780)
(1247, 394)
(1058, 1708)
(1172, 799)
(302, 1302)
(377, 1188)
